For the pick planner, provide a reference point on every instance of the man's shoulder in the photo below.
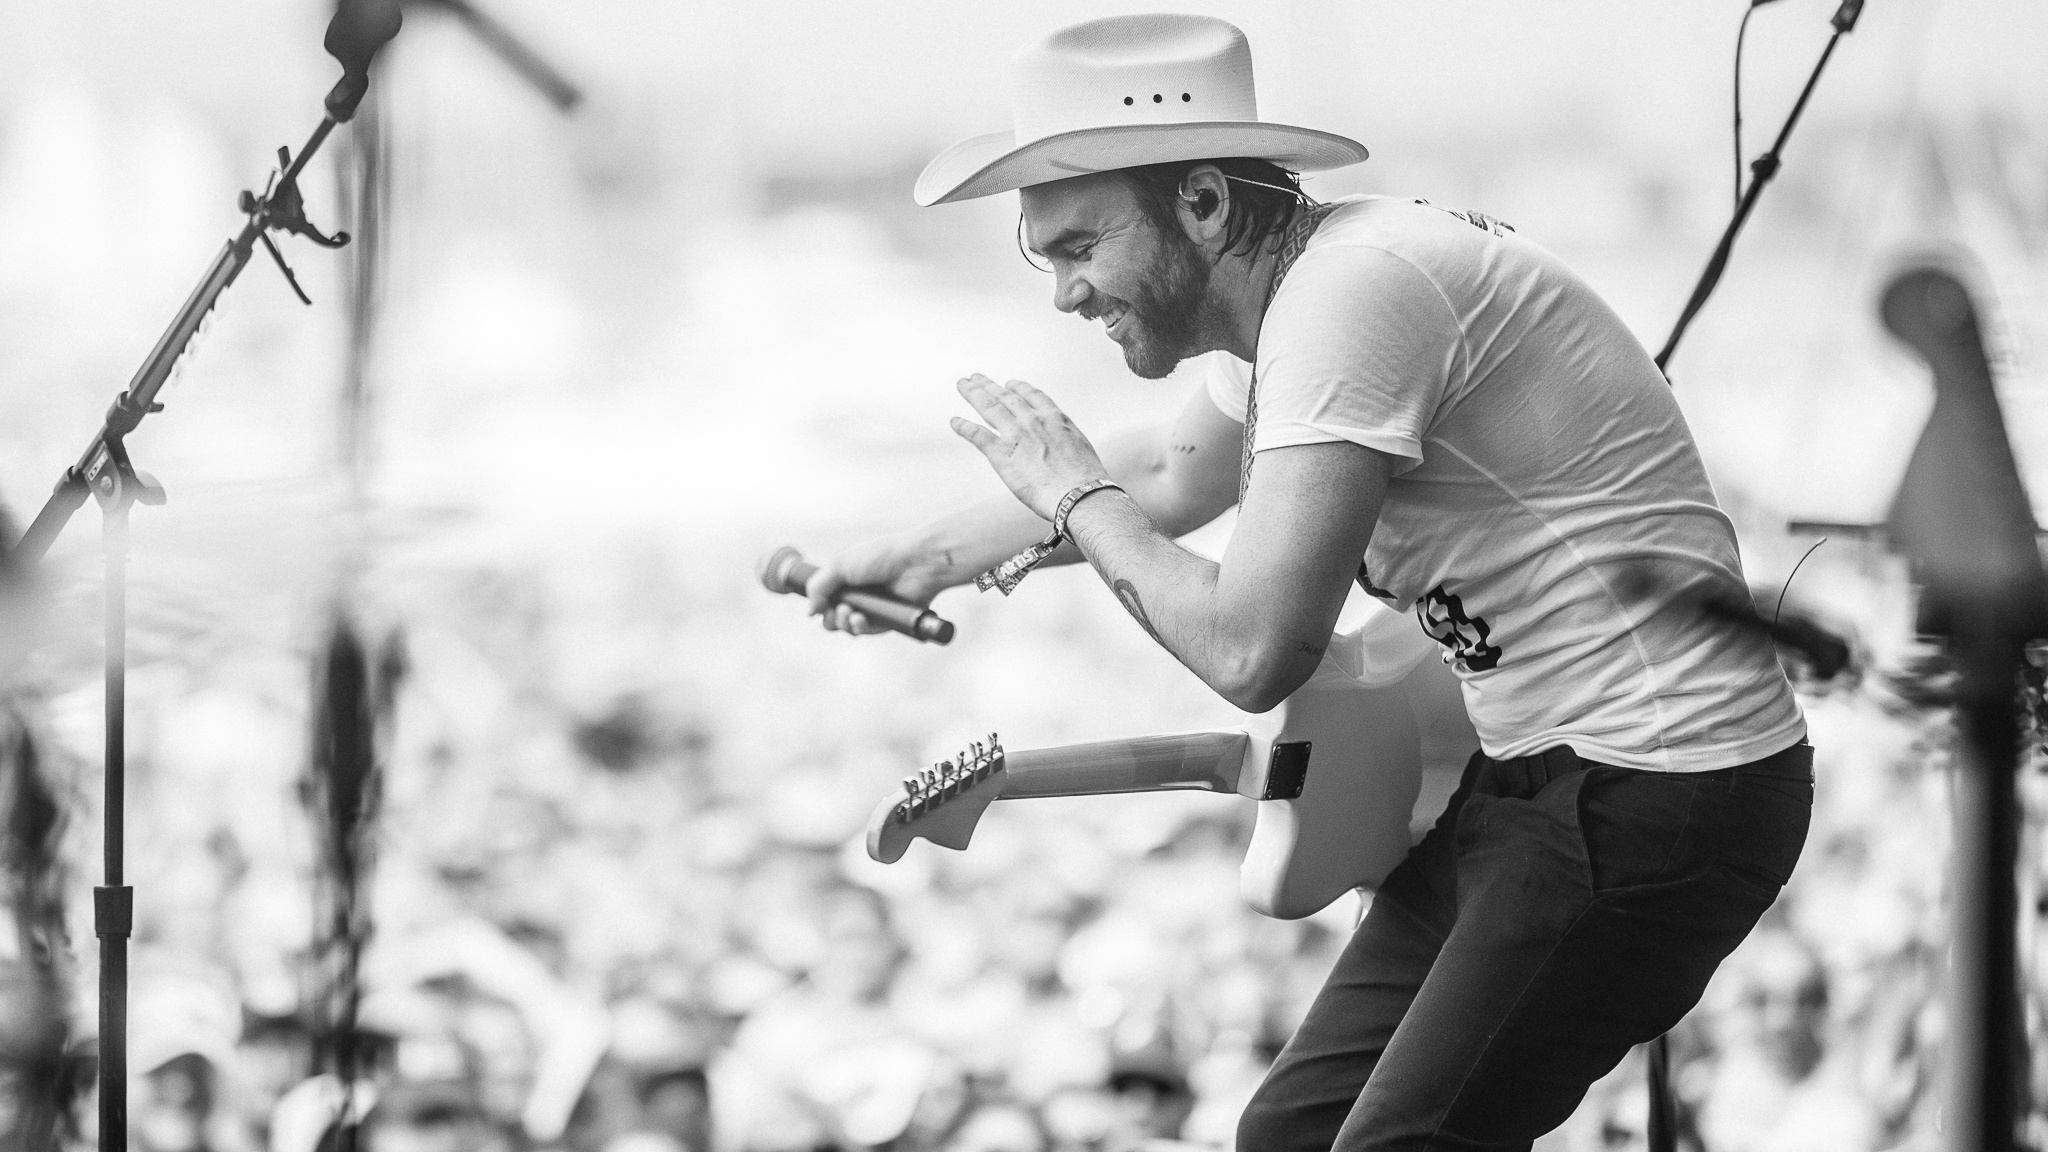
(1408, 244)
(1372, 255)
(1422, 233)
(1362, 218)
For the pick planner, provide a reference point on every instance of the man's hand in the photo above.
(896, 563)
(1032, 445)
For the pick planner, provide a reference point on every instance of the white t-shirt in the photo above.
(1550, 521)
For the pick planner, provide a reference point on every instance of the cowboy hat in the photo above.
(1124, 91)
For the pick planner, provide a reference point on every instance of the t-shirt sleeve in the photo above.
(1228, 381)
(1360, 346)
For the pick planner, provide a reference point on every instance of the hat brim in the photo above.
(985, 165)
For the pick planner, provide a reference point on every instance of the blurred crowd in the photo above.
(590, 936)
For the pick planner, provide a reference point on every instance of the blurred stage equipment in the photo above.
(787, 571)
(343, 788)
(359, 28)
(515, 53)
(1820, 646)
(33, 984)
(1762, 169)
(353, 687)
(1964, 524)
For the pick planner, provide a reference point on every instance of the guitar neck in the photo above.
(1187, 761)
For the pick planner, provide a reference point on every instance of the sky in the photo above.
(825, 75)
(536, 248)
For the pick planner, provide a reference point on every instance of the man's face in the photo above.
(1149, 287)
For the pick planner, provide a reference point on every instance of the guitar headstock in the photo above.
(941, 803)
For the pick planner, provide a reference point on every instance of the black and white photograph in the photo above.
(1486, 550)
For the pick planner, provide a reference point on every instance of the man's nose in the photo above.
(1070, 292)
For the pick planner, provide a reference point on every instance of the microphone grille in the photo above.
(775, 569)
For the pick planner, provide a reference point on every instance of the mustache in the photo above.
(1094, 311)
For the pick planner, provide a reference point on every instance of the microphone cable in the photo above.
(1741, 32)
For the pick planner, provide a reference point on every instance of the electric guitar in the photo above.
(1338, 770)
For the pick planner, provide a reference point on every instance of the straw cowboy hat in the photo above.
(1124, 91)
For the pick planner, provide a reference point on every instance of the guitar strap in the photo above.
(1292, 242)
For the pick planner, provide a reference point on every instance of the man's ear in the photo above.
(1204, 207)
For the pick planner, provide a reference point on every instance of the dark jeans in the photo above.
(1559, 913)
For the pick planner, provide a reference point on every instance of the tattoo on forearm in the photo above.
(1128, 594)
(1181, 449)
(1310, 649)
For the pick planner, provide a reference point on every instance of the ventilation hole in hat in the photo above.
(1157, 98)
(1128, 100)
(1184, 98)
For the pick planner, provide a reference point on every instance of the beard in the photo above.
(1171, 306)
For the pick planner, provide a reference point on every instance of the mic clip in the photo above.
(283, 207)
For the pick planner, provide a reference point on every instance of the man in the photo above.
(1439, 396)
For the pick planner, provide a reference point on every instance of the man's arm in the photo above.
(1182, 474)
(1252, 627)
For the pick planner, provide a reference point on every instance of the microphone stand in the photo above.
(106, 473)
(1964, 523)
(1663, 1126)
(1762, 169)
(517, 55)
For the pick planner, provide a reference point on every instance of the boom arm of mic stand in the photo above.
(1764, 167)
(140, 398)
(516, 54)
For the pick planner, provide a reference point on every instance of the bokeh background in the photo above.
(616, 356)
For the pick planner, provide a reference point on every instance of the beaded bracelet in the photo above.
(1006, 576)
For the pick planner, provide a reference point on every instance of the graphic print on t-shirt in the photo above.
(1443, 616)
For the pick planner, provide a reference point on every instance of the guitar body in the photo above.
(1346, 772)
(1349, 826)
(1365, 713)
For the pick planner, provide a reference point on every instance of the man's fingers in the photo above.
(820, 588)
(1033, 399)
(992, 401)
(1004, 409)
(975, 434)
(843, 618)
(835, 617)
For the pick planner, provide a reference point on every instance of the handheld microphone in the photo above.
(787, 571)
(358, 29)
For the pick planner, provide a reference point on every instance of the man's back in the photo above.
(1551, 520)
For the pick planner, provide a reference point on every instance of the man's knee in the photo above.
(1271, 1123)
(1262, 1127)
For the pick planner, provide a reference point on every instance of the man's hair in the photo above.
(1257, 212)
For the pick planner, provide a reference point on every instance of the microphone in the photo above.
(358, 29)
(788, 571)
